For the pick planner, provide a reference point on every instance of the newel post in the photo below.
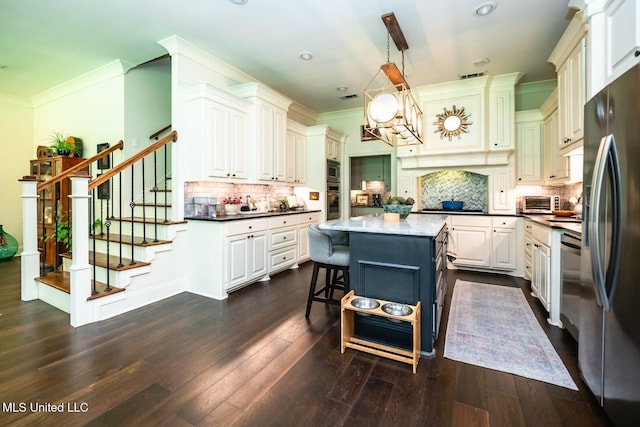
(80, 270)
(30, 256)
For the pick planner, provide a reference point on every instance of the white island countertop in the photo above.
(414, 225)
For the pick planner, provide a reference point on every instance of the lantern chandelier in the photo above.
(391, 113)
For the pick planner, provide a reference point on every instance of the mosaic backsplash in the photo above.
(469, 187)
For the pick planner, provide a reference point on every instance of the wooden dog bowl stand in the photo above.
(347, 312)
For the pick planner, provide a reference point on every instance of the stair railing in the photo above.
(111, 192)
(53, 186)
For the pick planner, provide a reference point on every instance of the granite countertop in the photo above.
(413, 225)
(556, 222)
(248, 215)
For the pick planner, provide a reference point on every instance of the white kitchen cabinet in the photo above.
(501, 118)
(283, 243)
(502, 196)
(484, 242)
(470, 240)
(569, 59)
(334, 149)
(304, 221)
(613, 41)
(546, 271)
(529, 151)
(268, 123)
(221, 122)
(296, 153)
(246, 258)
(503, 243)
(556, 165)
(407, 186)
(528, 256)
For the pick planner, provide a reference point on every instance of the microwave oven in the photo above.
(333, 171)
(540, 204)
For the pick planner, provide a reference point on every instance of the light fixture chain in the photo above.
(402, 51)
(388, 57)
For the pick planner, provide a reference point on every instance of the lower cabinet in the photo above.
(227, 255)
(542, 266)
(483, 241)
(246, 258)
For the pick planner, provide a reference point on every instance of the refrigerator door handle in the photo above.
(607, 157)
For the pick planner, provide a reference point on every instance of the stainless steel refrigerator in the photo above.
(609, 346)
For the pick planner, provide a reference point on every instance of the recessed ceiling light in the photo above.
(307, 56)
(485, 8)
(480, 62)
(341, 88)
(239, 2)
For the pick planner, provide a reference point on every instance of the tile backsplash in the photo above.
(220, 190)
(469, 187)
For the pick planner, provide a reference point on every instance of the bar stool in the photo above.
(328, 249)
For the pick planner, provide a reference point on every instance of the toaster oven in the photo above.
(540, 204)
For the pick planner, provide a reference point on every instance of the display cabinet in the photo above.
(51, 199)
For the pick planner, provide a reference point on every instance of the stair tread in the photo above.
(128, 240)
(114, 261)
(61, 280)
(147, 220)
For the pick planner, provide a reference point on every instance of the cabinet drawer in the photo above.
(248, 226)
(470, 220)
(283, 221)
(282, 238)
(282, 259)
(541, 234)
(528, 227)
(504, 222)
(309, 218)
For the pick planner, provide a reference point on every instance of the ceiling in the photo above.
(43, 44)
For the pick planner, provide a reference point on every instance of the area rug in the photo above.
(493, 326)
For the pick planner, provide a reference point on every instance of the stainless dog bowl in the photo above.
(397, 309)
(365, 303)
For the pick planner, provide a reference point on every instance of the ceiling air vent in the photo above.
(472, 75)
(351, 96)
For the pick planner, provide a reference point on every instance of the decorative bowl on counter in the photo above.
(562, 212)
(403, 210)
(452, 205)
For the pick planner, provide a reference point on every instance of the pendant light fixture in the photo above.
(390, 111)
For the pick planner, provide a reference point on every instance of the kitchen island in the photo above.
(403, 262)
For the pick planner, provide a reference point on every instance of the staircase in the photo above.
(131, 259)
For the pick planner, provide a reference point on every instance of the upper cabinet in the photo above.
(529, 158)
(268, 120)
(613, 41)
(569, 60)
(556, 165)
(218, 125)
(334, 148)
(296, 153)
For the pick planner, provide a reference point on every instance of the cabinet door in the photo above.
(265, 141)
(300, 164)
(217, 132)
(279, 124)
(291, 157)
(556, 165)
(303, 242)
(237, 143)
(623, 37)
(501, 185)
(504, 248)
(577, 80)
(472, 245)
(541, 272)
(529, 153)
(501, 119)
(373, 168)
(408, 187)
(257, 255)
(237, 260)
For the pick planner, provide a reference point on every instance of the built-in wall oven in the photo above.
(333, 171)
(570, 301)
(333, 200)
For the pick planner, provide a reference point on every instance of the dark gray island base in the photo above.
(402, 262)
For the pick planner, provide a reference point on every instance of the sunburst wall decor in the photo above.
(452, 123)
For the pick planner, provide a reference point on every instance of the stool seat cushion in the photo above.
(340, 256)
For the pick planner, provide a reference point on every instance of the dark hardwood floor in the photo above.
(254, 360)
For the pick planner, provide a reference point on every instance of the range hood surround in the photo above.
(490, 138)
(454, 184)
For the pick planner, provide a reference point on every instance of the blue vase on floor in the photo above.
(8, 245)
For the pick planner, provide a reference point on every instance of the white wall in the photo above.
(16, 122)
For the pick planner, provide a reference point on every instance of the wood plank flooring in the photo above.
(254, 360)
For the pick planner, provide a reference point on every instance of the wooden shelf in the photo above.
(400, 354)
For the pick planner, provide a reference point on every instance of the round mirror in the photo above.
(452, 123)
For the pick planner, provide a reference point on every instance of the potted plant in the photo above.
(65, 146)
(232, 204)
